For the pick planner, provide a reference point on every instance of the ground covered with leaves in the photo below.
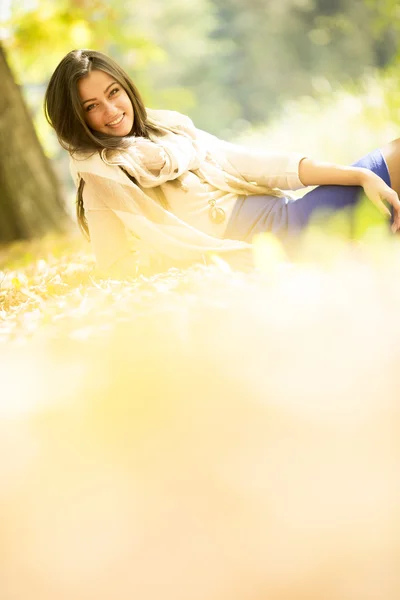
(201, 433)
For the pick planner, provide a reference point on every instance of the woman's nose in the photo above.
(109, 108)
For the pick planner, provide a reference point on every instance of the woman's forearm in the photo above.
(320, 173)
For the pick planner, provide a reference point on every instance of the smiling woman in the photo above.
(184, 194)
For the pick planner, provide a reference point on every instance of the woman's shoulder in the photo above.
(170, 118)
(81, 161)
(81, 164)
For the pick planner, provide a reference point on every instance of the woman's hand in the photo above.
(378, 191)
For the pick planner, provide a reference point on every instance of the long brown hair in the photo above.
(64, 112)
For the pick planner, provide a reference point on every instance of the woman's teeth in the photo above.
(117, 121)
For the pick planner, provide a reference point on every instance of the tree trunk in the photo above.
(30, 198)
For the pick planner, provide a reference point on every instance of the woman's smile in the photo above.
(116, 122)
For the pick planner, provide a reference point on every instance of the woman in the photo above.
(152, 185)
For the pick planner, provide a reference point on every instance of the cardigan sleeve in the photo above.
(108, 235)
(108, 238)
(271, 169)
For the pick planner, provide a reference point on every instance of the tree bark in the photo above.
(31, 203)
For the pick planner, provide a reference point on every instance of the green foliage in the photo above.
(160, 45)
(339, 126)
(225, 62)
(283, 49)
(42, 36)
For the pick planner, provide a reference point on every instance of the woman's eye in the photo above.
(112, 93)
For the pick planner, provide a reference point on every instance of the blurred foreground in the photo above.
(202, 434)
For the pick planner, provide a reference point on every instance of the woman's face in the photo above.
(106, 105)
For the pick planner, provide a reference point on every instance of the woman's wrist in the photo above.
(366, 176)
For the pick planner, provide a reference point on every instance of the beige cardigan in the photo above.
(116, 207)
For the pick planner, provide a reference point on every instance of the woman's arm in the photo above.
(108, 237)
(313, 172)
(271, 169)
(320, 173)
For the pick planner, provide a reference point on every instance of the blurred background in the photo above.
(319, 76)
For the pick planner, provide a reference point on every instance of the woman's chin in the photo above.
(122, 133)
